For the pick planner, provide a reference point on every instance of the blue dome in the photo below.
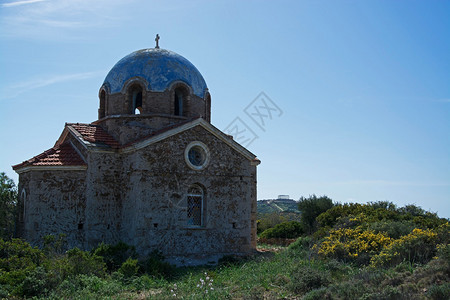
(159, 67)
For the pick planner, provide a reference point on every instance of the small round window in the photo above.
(196, 155)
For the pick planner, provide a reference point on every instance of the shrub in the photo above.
(83, 262)
(379, 212)
(268, 221)
(86, 287)
(36, 283)
(54, 246)
(129, 268)
(443, 251)
(386, 293)
(143, 282)
(287, 230)
(429, 220)
(302, 243)
(352, 244)
(417, 247)
(17, 259)
(306, 278)
(311, 208)
(394, 229)
(439, 292)
(8, 206)
(114, 255)
(155, 265)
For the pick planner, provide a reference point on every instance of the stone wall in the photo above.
(53, 202)
(126, 129)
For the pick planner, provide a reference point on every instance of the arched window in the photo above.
(23, 197)
(207, 116)
(137, 102)
(178, 102)
(102, 108)
(195, 206)
(135, 94)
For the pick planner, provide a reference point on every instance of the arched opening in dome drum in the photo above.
(178, 102)
(102, 108)
(137, 102)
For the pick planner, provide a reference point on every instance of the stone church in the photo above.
(152, 171)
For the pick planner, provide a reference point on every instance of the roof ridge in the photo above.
(77, 123)
(93, 133)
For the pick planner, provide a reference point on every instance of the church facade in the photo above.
(152, 171)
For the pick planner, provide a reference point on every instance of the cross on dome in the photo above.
(157, 41)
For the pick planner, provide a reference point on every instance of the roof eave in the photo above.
(24, 169)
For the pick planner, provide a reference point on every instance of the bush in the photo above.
(443, 251)
(352, 245)
(302, 243)
(129, 268)
(156, 266)
(143, 282)
(287, 230)
(311, 208)
(394, 229)
(17, 260)
(307, 278)
(269, 220)
(54, 246)
(36, 283)
(87, 287)
(380, 212)
(417, 247)
(8, 206)
(439, 292)
(83, 262)
(114, 255)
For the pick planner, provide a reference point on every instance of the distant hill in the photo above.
(277, 205)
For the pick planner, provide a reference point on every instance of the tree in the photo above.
(8, 204)
(311, 208)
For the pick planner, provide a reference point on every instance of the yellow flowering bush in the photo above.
(350, 244)
(417, 247)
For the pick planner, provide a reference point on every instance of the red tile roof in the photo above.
(94, 134)
(62, 155)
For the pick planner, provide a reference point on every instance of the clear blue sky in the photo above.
(364, 86)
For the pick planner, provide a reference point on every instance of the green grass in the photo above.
(286, 274)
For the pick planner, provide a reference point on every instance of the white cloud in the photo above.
(19, 88)
(382, 182)
(17, 3)
(59, 19)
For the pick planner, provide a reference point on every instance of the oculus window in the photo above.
(196, 155)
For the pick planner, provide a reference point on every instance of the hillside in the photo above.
(277, 205)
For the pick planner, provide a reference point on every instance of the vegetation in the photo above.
(266, 221)
(8, 203)
(277, 206)
(311, 208)
(285, 230)
(345, 251)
